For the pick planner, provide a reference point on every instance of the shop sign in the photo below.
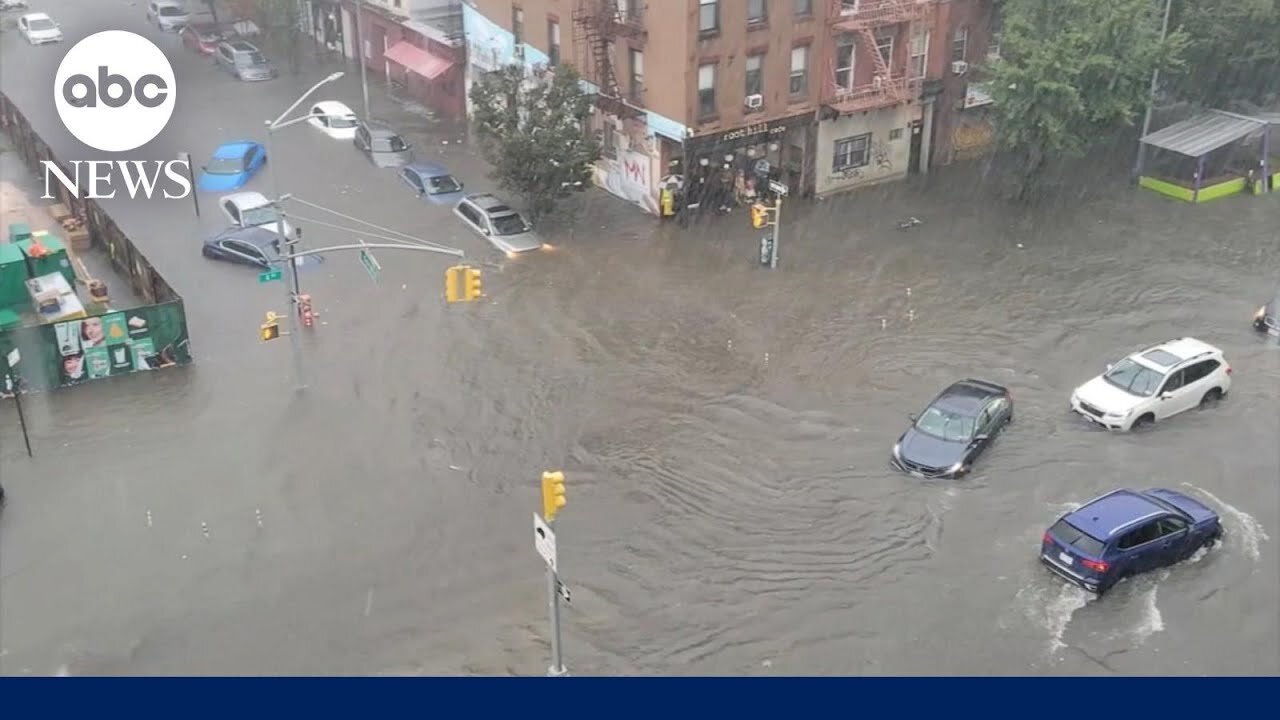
(753, 130)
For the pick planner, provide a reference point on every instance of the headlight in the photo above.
(897, 450)
(955, 468)
(1118, 414)
(1262, 312)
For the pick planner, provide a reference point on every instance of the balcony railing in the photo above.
(877, 94)
(855, 14)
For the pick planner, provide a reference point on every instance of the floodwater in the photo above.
(724, 431)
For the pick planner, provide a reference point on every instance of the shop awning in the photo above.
(417, 60)
(1204, 133)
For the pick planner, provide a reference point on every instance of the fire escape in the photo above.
(886, 86)
(598, 28)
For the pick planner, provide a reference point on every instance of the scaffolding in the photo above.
(864, 20)
(598, 26)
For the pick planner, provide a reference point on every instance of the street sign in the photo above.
(370, 264)
(544, 541)
(270, 275)
(777, 188)
(14, 357)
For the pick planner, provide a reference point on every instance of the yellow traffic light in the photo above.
(759, 215)
(270, 331)
(451, 289)
(471, 289)
(552, 494)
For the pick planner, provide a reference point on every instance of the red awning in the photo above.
(417, 60)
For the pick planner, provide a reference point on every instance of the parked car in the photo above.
(502, 226)
(251, 209)
(39, 29)
(201, 37)
(334, 119)
(1126, 532)
(232, 165)
(252, 246)
(432, 182)
(1267, 319)
(243, 60)
(382, 146)
(168, 15)
(953, 430)
(7, 5)
(1154, 384)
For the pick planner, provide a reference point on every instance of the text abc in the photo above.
(106, 80)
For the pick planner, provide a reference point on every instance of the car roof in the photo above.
(381, 131)
(1106, 515)
(333, 107)
(426, 168)
(168, 3)
(488, 202)
(258, 237)
(967, 396)
(36, 16)
(1184, 348)
(233, 149)
(248, 198)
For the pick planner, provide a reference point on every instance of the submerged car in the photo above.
(243, 60)
(38, 28)
(1154, 384)
(251, 209)
(498, 223)
(253, 246)
(232, 165)
(1126, 532)
(956, 427)
(432, 182)
(202, 38)
(382, 146)
(334, 119)
(168, 15)
(1267, 319)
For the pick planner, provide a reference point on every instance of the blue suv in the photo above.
(1126, 532)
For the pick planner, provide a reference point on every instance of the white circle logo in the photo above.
(114, 91)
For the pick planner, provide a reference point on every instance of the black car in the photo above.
(946, 439)
(383, 146)
(253, 246)
(1267, 319)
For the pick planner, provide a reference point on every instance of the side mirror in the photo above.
(913, 417)
(1166, 395)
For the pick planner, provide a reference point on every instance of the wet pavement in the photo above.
(724, 431)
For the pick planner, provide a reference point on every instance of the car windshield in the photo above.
(252, 58)
(1069, 534)
(41, 24)
(1134, 378)
(258, 216)
(945, 425)
(388, 144)
(170, 11)
(442, 184)
(510, 224)
(342, 123)
(225, 166)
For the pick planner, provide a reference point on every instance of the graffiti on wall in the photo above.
(881, 155)
(628, 177)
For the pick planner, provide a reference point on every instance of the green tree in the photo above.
(1071, 71)
(1233, 51)
(280, 22)
(533, 131)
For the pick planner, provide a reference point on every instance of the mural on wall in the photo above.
(628, 177)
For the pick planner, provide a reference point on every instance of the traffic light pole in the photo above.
(557, 668)
(777, 221)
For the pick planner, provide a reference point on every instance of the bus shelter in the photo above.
(1210, 149)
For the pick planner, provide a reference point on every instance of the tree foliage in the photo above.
(280, 22)
(1071, 70)
(533, 131)
(1233, 51)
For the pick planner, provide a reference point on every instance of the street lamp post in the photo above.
(364, 76)
(1151, 97)
(290, 265)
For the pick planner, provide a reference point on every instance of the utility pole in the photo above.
(364, 76)
(1151, 97)
(544, 541)
(14, 385)
(769, 216)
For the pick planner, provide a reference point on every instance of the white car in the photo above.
(39, 29)
(251, 209)
(168, 15)
(1154, 384)
(334, 119)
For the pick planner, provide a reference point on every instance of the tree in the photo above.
(280, 22)
(533, 131)
(1071, 71)
(1233, 51)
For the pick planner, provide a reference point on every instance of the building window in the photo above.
(517, 24)
(757, 12)
(846, 51)
(706, 90)
(993, 45)
(755, 74)
(895, 134)
(637, 74)
(884, 44)
(800, 70)
(851, 152)
(553, 42)
(708, 16)
(960, 44)
(919, 53)
(803, 7)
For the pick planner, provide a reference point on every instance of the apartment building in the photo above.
(417, 45)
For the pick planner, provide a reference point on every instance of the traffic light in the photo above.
(304, 309)
(552, 494)
(270, 329)
(759, 215)
(471, 288)
(451, 290)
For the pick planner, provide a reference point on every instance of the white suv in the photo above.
(1154, 384)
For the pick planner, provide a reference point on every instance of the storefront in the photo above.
(748, 158)
(325, 22)
(864, 148)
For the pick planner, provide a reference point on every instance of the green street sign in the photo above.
(270, 275)
(370, 264)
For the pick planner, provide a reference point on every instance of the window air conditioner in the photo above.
(754, 101)
(877, 82)
(959, 67)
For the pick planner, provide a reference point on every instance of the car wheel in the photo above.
(1211, 398)
(1142, 422)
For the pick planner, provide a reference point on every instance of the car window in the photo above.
(1199, 371)
(1134, 378)
(471, 214)
(412, 178)
(509, 224)
(261, 215)
(442, 184)
(233, 211)
(388, 144)
(363, 134)
(1141, 535)
(1171, 525)
(225, 166)
(984, 419)
(1069, 534)
(945, 425)
(1174, 382)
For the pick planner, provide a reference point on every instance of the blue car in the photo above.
(1127, 532)
(432, 182)
(232, 166)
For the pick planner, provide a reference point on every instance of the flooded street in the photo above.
(724, 431)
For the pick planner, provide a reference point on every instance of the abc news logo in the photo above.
(115, 92)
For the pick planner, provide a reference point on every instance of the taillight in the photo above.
(1095, 565)
(1228, 369)
(1047, 538)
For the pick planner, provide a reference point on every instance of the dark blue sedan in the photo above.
(1127, 532)
(957, 426)
(256, 247)
(232, 165)
(432, 182)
